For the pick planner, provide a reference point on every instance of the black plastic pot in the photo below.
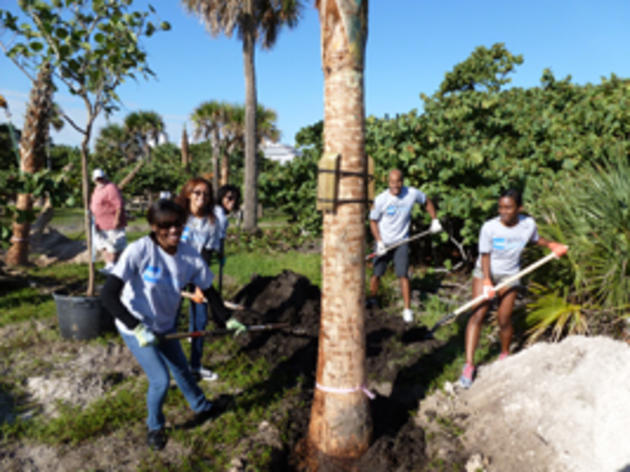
(81, 317)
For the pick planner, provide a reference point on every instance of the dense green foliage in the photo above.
(474, 138)
(595, 223)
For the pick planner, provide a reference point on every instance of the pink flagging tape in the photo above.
(342, 391)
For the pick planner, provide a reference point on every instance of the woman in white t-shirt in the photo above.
(143, 294)
(228, 201)
(201, 231)
(501, 242)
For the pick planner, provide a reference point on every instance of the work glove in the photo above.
(558, 249)
(381, 249)
(144, 335)
(488, 289)
(235, 325)
(435, 227)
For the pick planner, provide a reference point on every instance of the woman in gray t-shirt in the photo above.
(201, 231)
(501, 242)
(143, 294)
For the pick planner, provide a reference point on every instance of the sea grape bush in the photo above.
(474, 138)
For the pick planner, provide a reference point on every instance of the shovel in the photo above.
(221, 332)
(400, 243)
(481, 298)
(228, 304)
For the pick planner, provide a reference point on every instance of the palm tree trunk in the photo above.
(216, 150)
(132, 173)
(32, 158)
(340, 425)
(250, 200)
(184, 150)
(225, 169)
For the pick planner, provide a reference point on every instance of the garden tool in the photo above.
(400, 243)
(481, 298)
(221, 332)
(199, 298)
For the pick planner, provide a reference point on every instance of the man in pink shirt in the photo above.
(108, 210)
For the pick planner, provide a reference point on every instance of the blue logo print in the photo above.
(185, 234)
(152, 274)
(391, 210)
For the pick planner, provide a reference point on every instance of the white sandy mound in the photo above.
(553, 407)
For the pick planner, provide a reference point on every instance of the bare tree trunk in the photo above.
(340, 425)
(250, 200)
(85, 187)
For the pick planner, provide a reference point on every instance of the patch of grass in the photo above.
(76, 424)
(25, 304)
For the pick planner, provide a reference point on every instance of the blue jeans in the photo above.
(156, 361)
(198, 321)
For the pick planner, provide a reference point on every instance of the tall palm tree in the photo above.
(114, 148)
(340, 424)
(144, 128)
(210, 120)
(234, 139)
(255, 21)
(32, 158)
(234, 133)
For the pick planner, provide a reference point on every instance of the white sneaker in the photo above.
(407, 315)
(206, 374)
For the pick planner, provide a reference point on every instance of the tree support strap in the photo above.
(346, 391)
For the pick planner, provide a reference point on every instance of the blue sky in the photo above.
(411, 45)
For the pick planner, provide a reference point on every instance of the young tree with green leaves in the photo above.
(93, 47)
(255, 21)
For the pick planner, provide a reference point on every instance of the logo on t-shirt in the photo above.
(152, 274)
(185, 234)
(503, 244)
(391, 210)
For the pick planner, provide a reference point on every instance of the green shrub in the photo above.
(589, 210)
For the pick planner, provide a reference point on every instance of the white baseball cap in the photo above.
(98, 174)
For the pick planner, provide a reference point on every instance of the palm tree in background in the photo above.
(210, 120)
(255, 21)
(144, 130)
(114, 148)
(340, 425)
(33, 144)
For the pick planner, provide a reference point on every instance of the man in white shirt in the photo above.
(390, 219)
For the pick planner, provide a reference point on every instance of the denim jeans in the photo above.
(198, 321)
(157, 361)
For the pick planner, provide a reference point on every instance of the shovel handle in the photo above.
(400, 243)
(504, 283)
(220, 332)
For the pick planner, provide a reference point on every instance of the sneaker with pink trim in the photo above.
(503, 355)
(468, 372)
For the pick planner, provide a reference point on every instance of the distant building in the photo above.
(278, 152)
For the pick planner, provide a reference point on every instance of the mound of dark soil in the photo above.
(398, 370)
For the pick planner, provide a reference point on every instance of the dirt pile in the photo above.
(289, 297)
(552, 407)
